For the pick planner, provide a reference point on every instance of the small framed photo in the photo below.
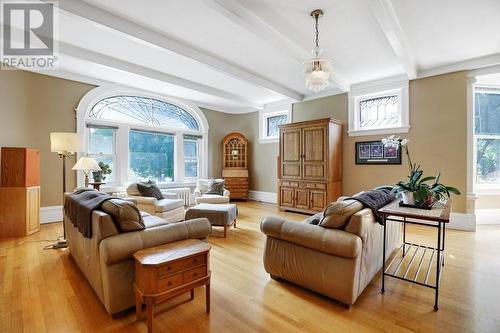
(374, 152)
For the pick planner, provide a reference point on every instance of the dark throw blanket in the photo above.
(374, 200)
(79, 205)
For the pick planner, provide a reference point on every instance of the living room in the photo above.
(312, 186)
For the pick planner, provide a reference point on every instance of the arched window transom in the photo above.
(143, 111)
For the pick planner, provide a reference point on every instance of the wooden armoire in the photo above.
(235, 165)
(310, 165)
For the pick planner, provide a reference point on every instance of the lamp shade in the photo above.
(64, 142)
(86, 164)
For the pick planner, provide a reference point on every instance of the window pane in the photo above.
(488, 161)
(191, 169)
(379, 112)
(190, 148)
(272, 125)
(106, 159)
(151, 156)
(487, 113)
(101, 140)
(143, 110)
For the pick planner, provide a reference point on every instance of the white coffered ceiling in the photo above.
(238, 55)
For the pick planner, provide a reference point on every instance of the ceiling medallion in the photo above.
(318, 69)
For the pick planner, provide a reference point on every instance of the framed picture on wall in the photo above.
(374, 152)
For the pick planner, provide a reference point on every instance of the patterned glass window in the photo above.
(143, 110)
(272, 123)
(379, 112)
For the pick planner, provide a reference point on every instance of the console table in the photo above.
(410, 263)
(165, 271)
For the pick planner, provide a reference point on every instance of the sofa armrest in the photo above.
(226, 193)
(122, 246)
(144, 200)
(361, 223)
(197, 193)
(329, 241)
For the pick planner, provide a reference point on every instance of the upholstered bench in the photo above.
(221, 215)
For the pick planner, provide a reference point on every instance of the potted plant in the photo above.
(100, 175)
(418, 191)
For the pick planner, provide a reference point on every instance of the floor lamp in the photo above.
(65, 145)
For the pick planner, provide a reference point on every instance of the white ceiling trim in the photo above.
(247, 19)
(476, 63)
(389, 23)
(134, 30)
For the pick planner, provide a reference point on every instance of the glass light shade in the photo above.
(86, 164)
(317, 72)
(64, 142)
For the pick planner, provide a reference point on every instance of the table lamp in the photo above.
(86, 164)
(65, 145)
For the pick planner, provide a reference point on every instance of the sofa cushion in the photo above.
(215, 187)
(165, 205)
(337, 214)
(212, 198)
(151, 221)
(125, 214)
(149, 189)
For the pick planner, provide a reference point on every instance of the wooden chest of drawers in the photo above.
(165, 271)
(236, 182)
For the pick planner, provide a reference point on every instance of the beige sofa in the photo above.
(336, 263)
(106, 258)
(201, 197)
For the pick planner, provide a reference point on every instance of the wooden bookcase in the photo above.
(235, 165)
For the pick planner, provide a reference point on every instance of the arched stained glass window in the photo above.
(143, 110)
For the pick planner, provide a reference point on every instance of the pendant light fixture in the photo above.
(318, 69)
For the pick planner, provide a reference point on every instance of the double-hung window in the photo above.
(487, 137)
(102, 147)
(191, 156)
(379, 109)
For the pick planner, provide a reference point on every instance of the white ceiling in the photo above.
(238, 55)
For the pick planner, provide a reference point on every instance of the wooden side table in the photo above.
(97, 185)
(412, 255)
(165, 271)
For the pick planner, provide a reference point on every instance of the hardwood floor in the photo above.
(44, 291)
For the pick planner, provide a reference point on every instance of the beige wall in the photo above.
(33, 105)
(438, 109)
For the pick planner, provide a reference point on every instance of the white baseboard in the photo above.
(462, 221)
(488, 216)
(263, 196)
(51, 214)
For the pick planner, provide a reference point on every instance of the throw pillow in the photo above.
(315, 219)
(125, 214)
(215, 187)
(150, 189)
(337, 214)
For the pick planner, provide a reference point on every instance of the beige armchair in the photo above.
(171, 208)
(333, 262)
(201, 197)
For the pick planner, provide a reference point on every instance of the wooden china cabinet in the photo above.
(235, 165)
(310, 165)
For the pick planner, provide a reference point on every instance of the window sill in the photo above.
(269, 140)
(379, 131)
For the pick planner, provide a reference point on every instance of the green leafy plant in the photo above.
(100, 176)
(426, 190)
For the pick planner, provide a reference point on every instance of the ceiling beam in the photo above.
(387, 18)
(129, 28)
(111, 62)
(248, 20)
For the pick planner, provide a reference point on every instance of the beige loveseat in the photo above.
(106, 258)
(336, 263)
(201, 197)
(170, 208)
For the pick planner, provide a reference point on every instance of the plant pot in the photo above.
(408, 198)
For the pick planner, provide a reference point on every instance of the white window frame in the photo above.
(492, 188)
(114, 154)
(197, 160)
(272, 110)
(122, 136)
(377, 90)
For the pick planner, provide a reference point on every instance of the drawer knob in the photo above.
(195, 274)
(195, 260)
(169, 268)
(169, 283)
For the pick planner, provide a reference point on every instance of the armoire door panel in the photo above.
(287, 197)
(314, 153)
(317, 200)
(302, 199)
(291, 154)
